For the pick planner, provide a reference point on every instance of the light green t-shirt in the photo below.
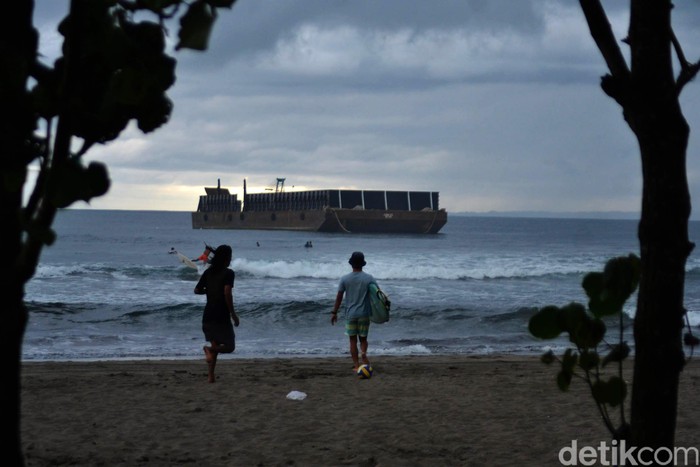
(356, 300)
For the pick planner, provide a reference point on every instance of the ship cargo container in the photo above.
(349, 211)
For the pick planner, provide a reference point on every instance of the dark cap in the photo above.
(357, 259)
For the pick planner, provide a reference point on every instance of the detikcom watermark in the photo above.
(618, 454)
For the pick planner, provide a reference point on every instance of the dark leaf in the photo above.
(155, 113)
(593, 284)
(64, 189)
(162, 71)
(73, 182)
(591, 334)
(195, 26)
(572, 317)
(611, 392)
(45, 99)
(618, 353)
(588, 360)
(608, 291)
(544, 323)
(548, 357)
(98, 181)
(148, 36)
(44, 234)
(564, 380)
(128, 87)
(569, 360)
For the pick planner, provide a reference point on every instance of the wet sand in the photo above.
(415, 411)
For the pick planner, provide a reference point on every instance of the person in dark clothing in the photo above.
(217, 283)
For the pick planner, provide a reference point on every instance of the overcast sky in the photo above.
(495, 104)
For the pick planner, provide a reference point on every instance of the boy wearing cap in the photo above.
(357, 306)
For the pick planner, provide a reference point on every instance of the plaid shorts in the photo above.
(357, 327)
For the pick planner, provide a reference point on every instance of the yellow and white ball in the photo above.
(364, 372)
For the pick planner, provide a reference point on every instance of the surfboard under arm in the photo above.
(380, 305)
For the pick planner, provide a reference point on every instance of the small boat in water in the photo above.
(349, 211)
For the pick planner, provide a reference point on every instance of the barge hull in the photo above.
(326, 220)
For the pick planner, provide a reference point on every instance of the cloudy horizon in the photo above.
(496, 105)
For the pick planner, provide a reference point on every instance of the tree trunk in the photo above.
(648, 94)
(654, 114)
(658, 325)
(18, 46)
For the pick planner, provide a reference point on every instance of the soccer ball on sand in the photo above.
(364, 372)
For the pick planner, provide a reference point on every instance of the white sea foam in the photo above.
(106, 290)
(446, 269)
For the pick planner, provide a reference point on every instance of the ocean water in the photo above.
(108, 289)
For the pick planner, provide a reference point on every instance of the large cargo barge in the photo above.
(349, 211)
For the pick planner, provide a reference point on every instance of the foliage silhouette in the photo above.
(647, 90)
(114, 68)
(607, 293)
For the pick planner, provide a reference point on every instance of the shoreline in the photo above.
(233, 358)
(415, 410)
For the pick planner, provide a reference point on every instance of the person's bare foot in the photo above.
(365, 360)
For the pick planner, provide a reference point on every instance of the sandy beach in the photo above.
(432, 411)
